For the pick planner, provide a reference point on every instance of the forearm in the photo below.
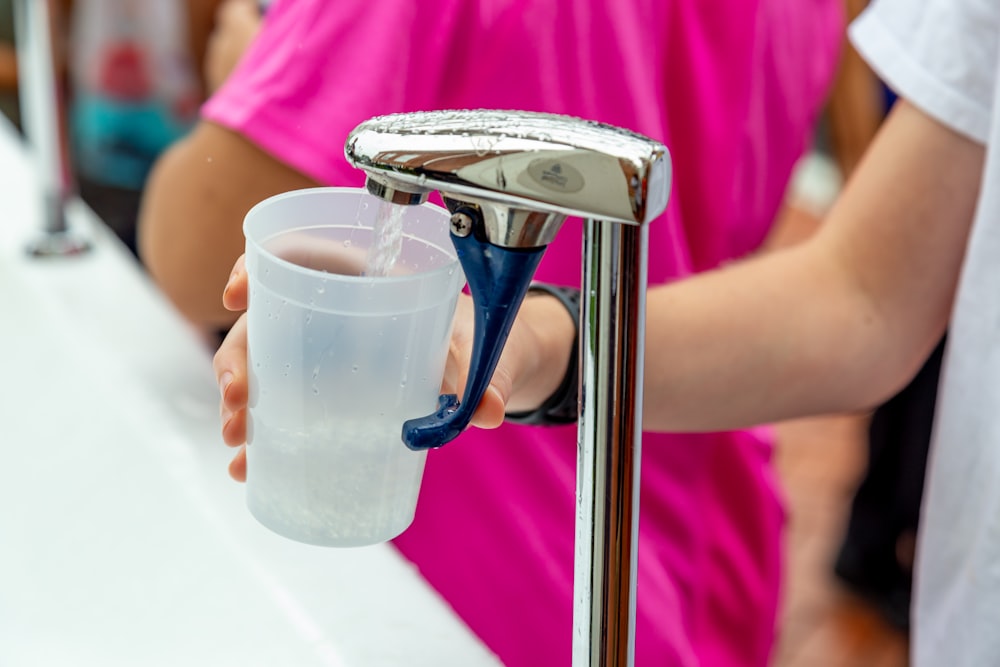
(837, 323)
(190, 225)
(766, 340)
(553, 331)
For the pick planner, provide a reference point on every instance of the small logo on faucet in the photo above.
(555, 175)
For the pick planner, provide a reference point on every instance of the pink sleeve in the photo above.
(315, 71)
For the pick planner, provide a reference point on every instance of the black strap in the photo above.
(563, 406)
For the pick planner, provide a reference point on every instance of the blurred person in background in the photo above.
(732, 88)
(132, 70)
(135, 86)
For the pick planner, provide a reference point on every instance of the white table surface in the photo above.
(122, 539)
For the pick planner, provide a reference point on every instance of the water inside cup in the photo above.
(338, 359)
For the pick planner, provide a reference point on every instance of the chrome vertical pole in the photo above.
(43, 116)
(609, 444)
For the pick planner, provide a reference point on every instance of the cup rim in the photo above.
(292, 266)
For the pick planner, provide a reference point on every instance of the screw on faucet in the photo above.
(461, 224)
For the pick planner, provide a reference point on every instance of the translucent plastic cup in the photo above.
(338, 360)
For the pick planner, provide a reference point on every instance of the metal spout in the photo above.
(504, 161)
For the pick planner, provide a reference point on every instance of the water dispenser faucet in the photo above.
(510, 179)
(518, 163)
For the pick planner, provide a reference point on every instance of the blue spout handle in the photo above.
(498, 280)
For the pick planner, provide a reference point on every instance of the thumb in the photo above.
(493, 407)
(490, 411)
(234, 296)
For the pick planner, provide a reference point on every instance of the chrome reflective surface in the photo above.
(524, 160)
(609, 443)
(512, 227)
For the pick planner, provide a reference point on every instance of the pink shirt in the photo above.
(733, 89)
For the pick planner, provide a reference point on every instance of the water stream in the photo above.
(387, 240)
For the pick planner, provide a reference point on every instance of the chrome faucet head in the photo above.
(514, 161)
(510, 179)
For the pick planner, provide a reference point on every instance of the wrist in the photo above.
(546, 392)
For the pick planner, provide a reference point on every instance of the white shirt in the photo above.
(942, 55)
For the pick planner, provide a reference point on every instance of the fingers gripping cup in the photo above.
(340, 353)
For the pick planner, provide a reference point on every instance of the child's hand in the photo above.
(230, 365)
(530, 368)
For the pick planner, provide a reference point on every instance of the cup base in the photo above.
(319, 538)
(338, 484)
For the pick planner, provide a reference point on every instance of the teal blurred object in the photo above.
(134, 88)
(115, 142)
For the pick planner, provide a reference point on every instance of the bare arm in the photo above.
(190, 225)
(838, 323)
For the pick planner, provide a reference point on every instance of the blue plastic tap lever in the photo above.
(498, 279)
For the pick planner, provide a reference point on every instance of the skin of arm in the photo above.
(190, 224)
(838, 323)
